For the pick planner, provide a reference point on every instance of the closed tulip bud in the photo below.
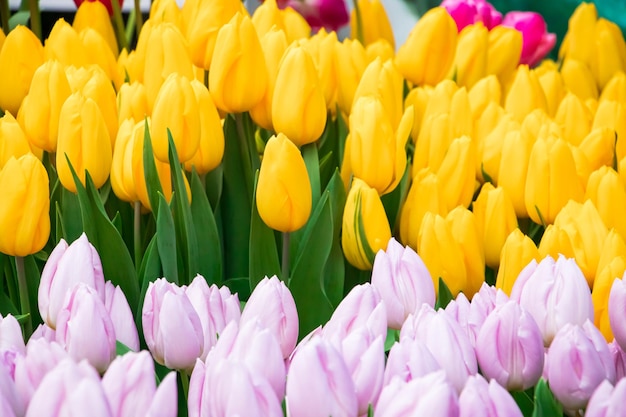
(598, 147)
(554, 293)
(171, 326)
(615, 88)
(504, 52)
(41, 110)
(350, 61)
(375, 23)
(470, 63)
(404, 283)
(321, 47)
(365, 225)
(121, 315)
(409, 359)
(464, 227)
(616, 307)
(283, 194)
(555, 241)
(612, 114)
(64, 45)
(93, 14)
(517, 252)
(608, 55)
(578, 79)
(13, 142)
(433, 141)
(485, 123)
(99, 54)
(21, 54)
(176, 109)
(485, 91)
(382, 79)
(516, 149)
(509, 347)
(525, 94)
(237, 52)
(11, 339)
(603, 183)
(268, 17)
(537, 41)
(602, 286)
(606, 400)
(298, 104)
(448, 98)
(456, 173)
(84, 141)
(273, 307)
(553, 88)
(132, 102)
(435, 31)
(578, 42)
(489, 148)
(495, 218)
(418, 98)
(24, 213)
(466, 13)
(577, 362)
(167, 11)
(482, 398)
(575, 118)
(296, 26)
(619, 359)
(122, 180)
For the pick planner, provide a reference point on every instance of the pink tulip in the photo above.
(319, 382)
(10, 402)
(578, 361)
(617, 311)
(486, 399)
(537, 42)
(85, 329)
(273, 306)
(403, 281)
(121, 316)
(431, 395)
(165, 401)
(607, 400)
(509, 348)
(11, 335)
(67, 266)
(468, 12)
(43, 331)
(171, 326)
(409, 359)
(327, 14)
(555, 293)
(619, 360)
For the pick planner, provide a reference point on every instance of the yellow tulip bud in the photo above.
(495, 217)
(551, 180)
(615, 89)
(283, 194)
(441, 253)
(575, 119)
(470, 62)
(94, 15)
(132, 102)
(176, 109)
(350, 63)
(321, 47)
(553, 87)
(504, 52)
(64, 45)
(516, 149)
(432, 144)
(425, 195)
(24, 212)
(609, 52)
(298, 105)
(578, 79)
(383, 80)
(211, 146)
(296, 26)
(517, 252)
(375, 23)
(268, 16)
(485, 123)
(2, 38)
(99, 54)
(612, 114)
(84, 140)
(485, 91)
(525, 94)
(587, 232)
(418, 98)
(606, 191)
(122, 180)
(20, 56)
(555, 241)
(13, 142)
(379, 49)
(489, 148)
(136, 62)
(579, 41)
(448, 98)
(613, 247)
(598, 147)
(428, 54)
(600, 294)
(462, 223)
(457, 173)
(167, 11)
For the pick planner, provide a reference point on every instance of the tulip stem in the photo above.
(285, 258)
(244, 148)
(24, 301)
(137, 234)
(184, 379)
(4, 15)
(359, 22)
(35, 17)
(138, 18)
(120, 32)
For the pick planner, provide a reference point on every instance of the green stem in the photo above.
(137, 234)
(244, 149)
(184, 378)
(130, 27)
(359, 22)
(119, 25)
(4, 15)
(24, 301)
(138, 17)
(35, 17)
(285, 258)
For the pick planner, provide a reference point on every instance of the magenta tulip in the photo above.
(409, 359)
(403, 281)
(607, 400)
(536, 41)
(617, 311)
(468, 12)
(121, 316)
(486, 399)
(327, 14)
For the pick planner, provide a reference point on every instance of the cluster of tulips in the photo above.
(226, 148)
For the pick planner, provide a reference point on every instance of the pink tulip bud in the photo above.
(121, 316)
(10, 402)
(43, 331)
(447, 342)
(555, 293)
(619, 359)
(607, 400)
(171, 326)
(509, 348)
(85, 329)
(273, 306)
(578, 361)
(536, 41)
(165, 401)
(487, 399)
(403, 281)
(318, 380)
(468, 12)
(431, 395)
(617, 311)
(11, 335)
(409, 359)
(70, 389)
(67, 266)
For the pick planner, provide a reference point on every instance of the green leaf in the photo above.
(263, 250)
(117, 222)
(19, 18)
(60, 232)
(525, 402)
(208, 240)
(240, 286)
(214, 183)
(444, 296)
(121, 348)
(392, 202)
(166, 241)
(33, 276)
(153, 183)
(392, 337)
(7, 306)
(545, 403)
(311, 160)
(334, 270)
(149, 271)
(71, 219)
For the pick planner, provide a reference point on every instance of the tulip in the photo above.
(448, 98)
(273, 307)
(24, 212)
(537, 41)
(612, 114)
(11, 335)
(237, 52)
(431, 395)
(434, 139)
(555, 293)
(466, 13)
(64, 45)
(99, 54)
(490, 147)
(578, 79)
(375, 23)
(167, 11)
(619, 359)
(121, 316)
(578, 42)
(13, 142)
(603, 183)
(575, 118)
(133, 63)
(165, 401)
(525, 94)
(447, 342)
(555, 241)
(616, 307)
(471, 55)
(514, 158)
(318, 379)
(435, 31)
(321, 47)
(485, 91)
(482, 398)
(491, 117)
(419, 98)
(606, 400)
(551, 180)
(600, 294)
(517, 252)
(552, 85)
(20, 56)
(599, 147)
(269, 17)
(92, 14)
(456, 173)
(122, 181)
(404, 283)
(365, 226)
(409, 359)
(504, 52)
(615, 88)
(350, 62)
(382, 79)
(171, 326)
(577, 362)
(132, 102)
(608, 56)
(327, 14)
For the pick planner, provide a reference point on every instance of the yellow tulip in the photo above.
(428, 54)
(579, 41)
(167, 11)
(432, 143)
(485, 123)
(489, 148)
(609, 52)
(2, 38)
(614, 246)
(269, 17)
(598, 147)
(485, 91)
(283, 194)
(470, 62)
(99, 54)
(504, 52)
(365, 228)
(517, 252)
(24, 212)
(298, 104)
(612, 114)
(447, 97)
(64, 45)
(615, 89)
(578, 79)
(237, 54)
(375, 23)
(555, 241)
(321, 47)
(94, 14)
(418, 98)
(350, 63)
(122, 180)
(20, 56)
(379, 49)
(516, 149)
(553, 87)
(462, 223)
(176, 109)
(574, 117)
(132, 102)
(525, 94)
(84, 140)
(606, 191)
(457, 173)
(296, 26)
(13, 142)
(600, 294)
(135, 62)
